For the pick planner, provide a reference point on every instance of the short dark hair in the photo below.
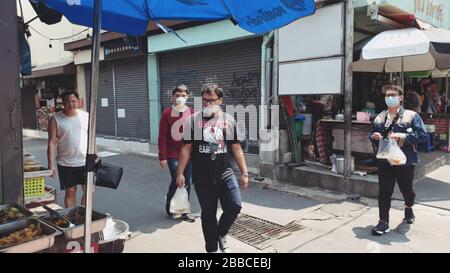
(211, 89)
(67, 94)
(180, 88)
(394, 88)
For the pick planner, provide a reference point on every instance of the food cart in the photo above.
(43, 226)
(59, 231)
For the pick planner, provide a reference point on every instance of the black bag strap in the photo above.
(389, 129)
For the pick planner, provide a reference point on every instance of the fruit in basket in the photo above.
(21, 236)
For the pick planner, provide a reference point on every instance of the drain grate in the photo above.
(260, 233)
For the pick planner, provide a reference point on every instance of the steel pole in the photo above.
(90, 160)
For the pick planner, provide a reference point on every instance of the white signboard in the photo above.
(311, 53)
(104, 102)
(317, 36)
(313, 77)
(121, 113)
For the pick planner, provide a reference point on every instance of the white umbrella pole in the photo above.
(446, 91)
(90, 160)
(402, 78)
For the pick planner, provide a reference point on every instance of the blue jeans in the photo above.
(208, 193)
(173, 165)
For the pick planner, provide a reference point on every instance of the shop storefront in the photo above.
(236, 66)
(314, 118)
(41, 92)
(123, 108)
(215, 52)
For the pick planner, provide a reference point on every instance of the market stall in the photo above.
(43, 226)
(46, 230)
(36, 193)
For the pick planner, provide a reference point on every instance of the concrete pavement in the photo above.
(332, 222)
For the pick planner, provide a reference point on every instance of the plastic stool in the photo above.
(428, 146)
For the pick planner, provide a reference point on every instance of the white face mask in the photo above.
(180, 101)
(209, 111)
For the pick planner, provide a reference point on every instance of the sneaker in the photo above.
(409, 216)
(188, 218)
(174, 216)
(381, 228)
(223, 244)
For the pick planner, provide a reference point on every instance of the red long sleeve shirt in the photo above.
(168, 147)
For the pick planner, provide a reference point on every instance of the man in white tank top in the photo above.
(67, 147)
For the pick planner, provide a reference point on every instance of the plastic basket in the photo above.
(34, 186)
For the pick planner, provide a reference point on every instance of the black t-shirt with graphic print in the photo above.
(211, 140)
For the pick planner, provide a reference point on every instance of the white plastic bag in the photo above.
(383, 149)
(394, 155)
(180, 202)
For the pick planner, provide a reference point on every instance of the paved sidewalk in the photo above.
(333, 223)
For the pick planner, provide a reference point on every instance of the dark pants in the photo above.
(387, 176)
(173, 165)
(227, 191)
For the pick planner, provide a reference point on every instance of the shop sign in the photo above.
(433, 11)
(124, 49)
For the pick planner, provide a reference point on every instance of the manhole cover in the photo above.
(260, 233)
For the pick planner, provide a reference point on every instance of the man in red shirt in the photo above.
(170, 142)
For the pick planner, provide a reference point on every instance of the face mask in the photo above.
(209, 111)
(180, 101)
(392, 102)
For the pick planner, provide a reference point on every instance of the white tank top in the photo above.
(72, 139)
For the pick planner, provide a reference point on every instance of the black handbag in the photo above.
(108, 175)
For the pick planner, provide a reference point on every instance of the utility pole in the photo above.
(11, 154)
(349, 28)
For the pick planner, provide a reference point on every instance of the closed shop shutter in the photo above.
(236, 66)
(132, 97)
(105, 114)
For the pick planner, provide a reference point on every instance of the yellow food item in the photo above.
(31, 165)
(31, 168)
(21, 236)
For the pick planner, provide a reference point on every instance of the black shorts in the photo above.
(71, 176)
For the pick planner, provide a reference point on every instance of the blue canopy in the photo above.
(132, 16)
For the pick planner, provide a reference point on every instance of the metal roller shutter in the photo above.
(105, 115)
(236, 66)
(132, 96)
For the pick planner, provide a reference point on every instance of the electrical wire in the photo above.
(57, 39)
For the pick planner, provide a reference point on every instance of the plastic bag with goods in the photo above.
(390, 150)
(180, 202)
